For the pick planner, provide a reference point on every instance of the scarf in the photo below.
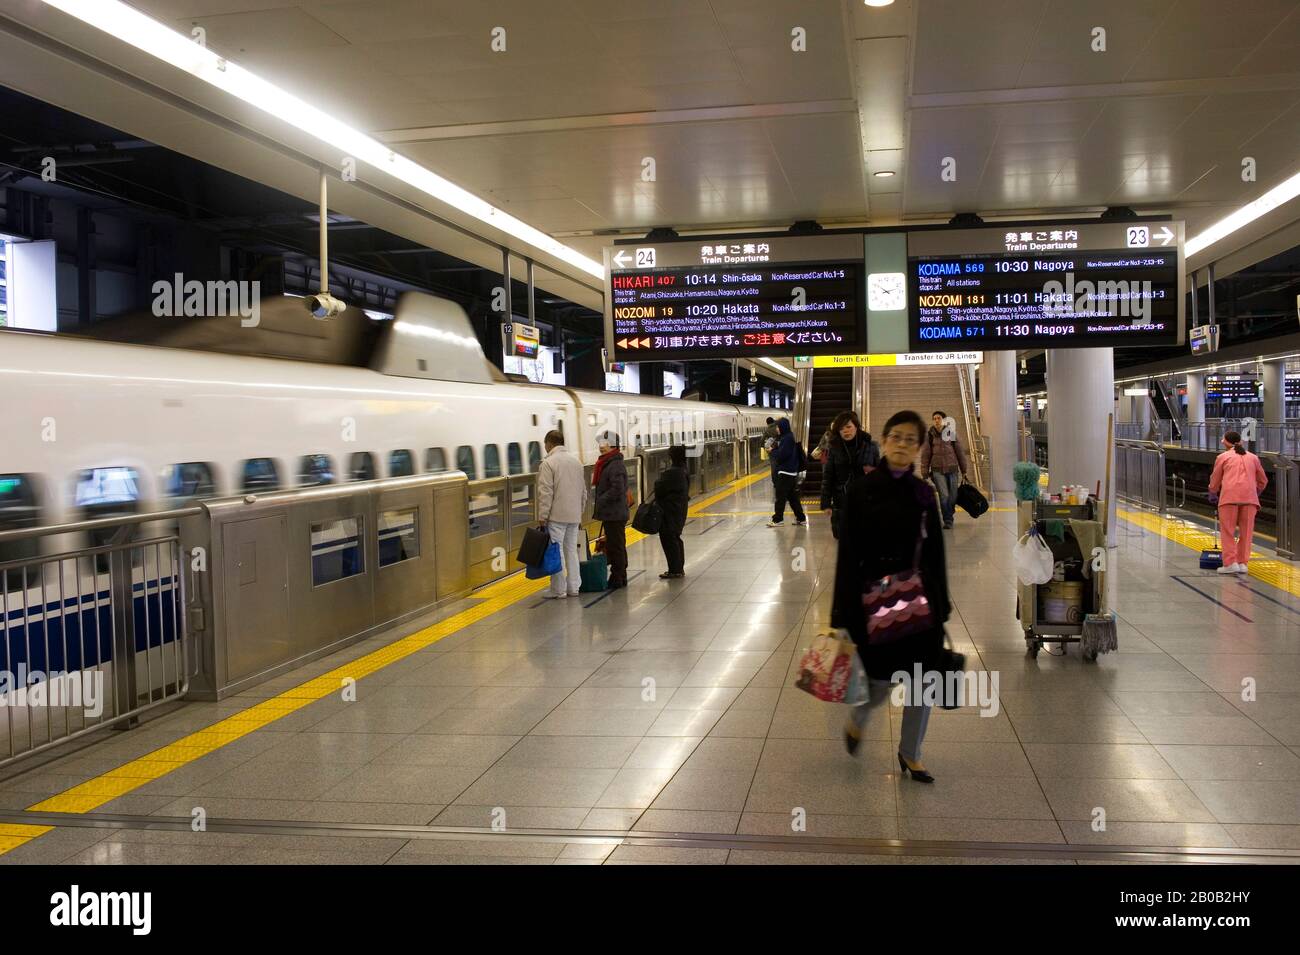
(600, 464)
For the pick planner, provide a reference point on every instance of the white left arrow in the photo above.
(618, 259)
(1164, 235)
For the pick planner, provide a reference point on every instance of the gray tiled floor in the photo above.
(668, 707)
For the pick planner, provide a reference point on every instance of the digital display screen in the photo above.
(107, 486)
(1054, 286)
(1292, 389)
(1231, 389)
(783, 295)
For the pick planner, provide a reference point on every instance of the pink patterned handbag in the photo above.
(895, 606)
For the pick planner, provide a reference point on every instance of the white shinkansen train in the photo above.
(94, 428)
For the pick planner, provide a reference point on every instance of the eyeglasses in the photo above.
(906, 440)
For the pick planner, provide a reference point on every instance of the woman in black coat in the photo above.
(848, 454)
(883, 516)
(672, 492)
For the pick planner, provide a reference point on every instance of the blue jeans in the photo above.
(915, 719)
(566, 535)
(946, 483)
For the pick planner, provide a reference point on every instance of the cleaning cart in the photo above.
(1054, 612)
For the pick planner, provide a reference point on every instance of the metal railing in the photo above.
(93, 637)
(1140, 474)
(1286, 498)
(1278, 437)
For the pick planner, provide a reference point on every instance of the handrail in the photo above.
(974, 440)
(98, 523)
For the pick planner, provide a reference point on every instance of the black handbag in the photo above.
(970, 500)
(649, 517)
(532, 549)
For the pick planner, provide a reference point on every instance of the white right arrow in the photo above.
(1164, 235)
(618, 258)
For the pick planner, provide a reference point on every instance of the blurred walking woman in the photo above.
(849, 453)
(672, 491)
(1235, 483)
(891, 523)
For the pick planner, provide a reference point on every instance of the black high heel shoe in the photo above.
(919, 775)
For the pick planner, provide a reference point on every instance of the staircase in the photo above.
(832, 392)
(924, 389)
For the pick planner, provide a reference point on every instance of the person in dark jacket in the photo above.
(850, 453)
(672, 491)
(771, 436)
(943, 460)
(885, 513)
(609, 478)
(787, 461)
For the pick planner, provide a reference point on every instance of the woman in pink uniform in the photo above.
(1235, 485)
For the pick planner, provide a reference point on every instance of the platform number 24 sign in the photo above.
(645, 258)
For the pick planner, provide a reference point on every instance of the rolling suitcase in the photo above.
(594, 571)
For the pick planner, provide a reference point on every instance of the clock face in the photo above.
(886, 291)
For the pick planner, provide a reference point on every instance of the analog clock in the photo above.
(886, 291)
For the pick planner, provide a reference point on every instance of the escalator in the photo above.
(1164, 410)
(831, 393)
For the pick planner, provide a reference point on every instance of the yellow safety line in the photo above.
(1277, 573)
(93, 793)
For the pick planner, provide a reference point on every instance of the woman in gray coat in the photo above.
(609, 478)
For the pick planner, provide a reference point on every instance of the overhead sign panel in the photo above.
(1059, 286)
(905, 358)
(754, 296)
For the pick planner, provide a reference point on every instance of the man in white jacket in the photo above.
(561, 497)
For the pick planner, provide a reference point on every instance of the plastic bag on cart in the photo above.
(1034, 561)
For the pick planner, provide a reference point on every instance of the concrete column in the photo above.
(1142, 414)
(1274, 391)
(999, 417)
(1080, 395)
(1195, 397)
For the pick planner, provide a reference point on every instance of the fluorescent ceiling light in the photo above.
(1247, 214)
(878, 3)
(883, 174)
(781, 368)
(144, 33)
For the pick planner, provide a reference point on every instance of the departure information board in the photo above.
(1055, 286)
(754, 296)
(1231, 389)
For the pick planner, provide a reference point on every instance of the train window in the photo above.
(435, 460)
(362, 466)
(336, 551)
(401, 464)
(192, 479)
(18, 509)
(534, 456)
(514, 458)
(315, 469)
(260, 474)
(486, 513)
(465, 462)
(108, 489)
(638, 444)
(399, 536)
(491, 461)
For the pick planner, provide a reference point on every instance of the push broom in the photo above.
(1100, 630)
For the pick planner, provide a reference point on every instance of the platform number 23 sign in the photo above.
(1137, 237)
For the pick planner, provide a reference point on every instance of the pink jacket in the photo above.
(1238, 478)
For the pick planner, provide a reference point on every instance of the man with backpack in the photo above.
(787, 465)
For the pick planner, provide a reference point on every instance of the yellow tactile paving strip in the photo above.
(94, 793)
(1278, 573)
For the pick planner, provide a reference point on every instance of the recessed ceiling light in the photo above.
(877, 3)
(145, 33)
(883, 174)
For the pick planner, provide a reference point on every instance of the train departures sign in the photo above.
(736, 297)
(1058, 285)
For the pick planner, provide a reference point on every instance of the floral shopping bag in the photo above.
(827, 667)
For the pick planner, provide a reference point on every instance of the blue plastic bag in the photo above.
(552, 563)
(858, 692)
